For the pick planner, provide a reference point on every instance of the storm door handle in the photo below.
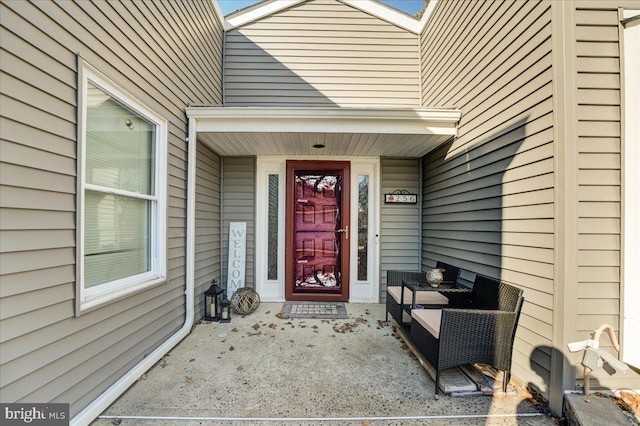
(346, 232)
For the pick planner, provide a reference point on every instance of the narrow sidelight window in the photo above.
(363, 226)
(272, 243)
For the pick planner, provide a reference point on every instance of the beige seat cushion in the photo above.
(422, 297)
(429, 319)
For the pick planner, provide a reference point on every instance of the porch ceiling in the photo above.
(342, 131)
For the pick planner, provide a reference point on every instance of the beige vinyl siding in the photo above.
(488, 196)
(598, 295)
(321, 53)
(239, 205)
(399, 223)
(167, 55)
(208, 249)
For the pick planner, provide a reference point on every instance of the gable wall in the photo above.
(321, 53)
(166, 54)
(488, 197)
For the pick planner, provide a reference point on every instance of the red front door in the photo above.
(317, 233)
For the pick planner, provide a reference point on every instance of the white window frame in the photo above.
(90, 298)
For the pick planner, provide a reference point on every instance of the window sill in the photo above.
(92, 302)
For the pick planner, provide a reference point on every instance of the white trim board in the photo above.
(631, 191)
(417, 121)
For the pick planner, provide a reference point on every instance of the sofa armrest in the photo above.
(475, 335)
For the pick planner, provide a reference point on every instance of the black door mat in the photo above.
(324, 310)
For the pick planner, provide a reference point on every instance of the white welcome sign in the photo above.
(237, 256)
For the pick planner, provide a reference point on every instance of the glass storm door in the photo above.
(317, 258)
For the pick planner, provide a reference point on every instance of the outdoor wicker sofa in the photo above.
(482, 332)
(436, 298)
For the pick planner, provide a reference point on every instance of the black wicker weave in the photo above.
(395, 278)
(483, 333)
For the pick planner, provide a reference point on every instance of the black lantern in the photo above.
(212, 302)
(225, 310)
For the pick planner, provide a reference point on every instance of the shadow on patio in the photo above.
(267, 370)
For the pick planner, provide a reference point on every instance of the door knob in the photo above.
(345, 230)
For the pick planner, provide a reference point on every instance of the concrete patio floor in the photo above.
(264, 370)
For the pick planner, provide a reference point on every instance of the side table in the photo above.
(416, 286)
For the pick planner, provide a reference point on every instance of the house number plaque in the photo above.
(400, 197)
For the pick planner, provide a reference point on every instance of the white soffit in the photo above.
(379, 10)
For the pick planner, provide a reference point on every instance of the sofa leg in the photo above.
(505, 380)
(437, 384)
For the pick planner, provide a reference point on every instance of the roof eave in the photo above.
(327, 120)
(258, 11)
(379, 10)
(387, 14)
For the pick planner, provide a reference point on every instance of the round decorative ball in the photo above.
(435, 277)
(245, 300)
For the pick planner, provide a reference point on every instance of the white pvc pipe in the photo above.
(327, 419)
(102, 402)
